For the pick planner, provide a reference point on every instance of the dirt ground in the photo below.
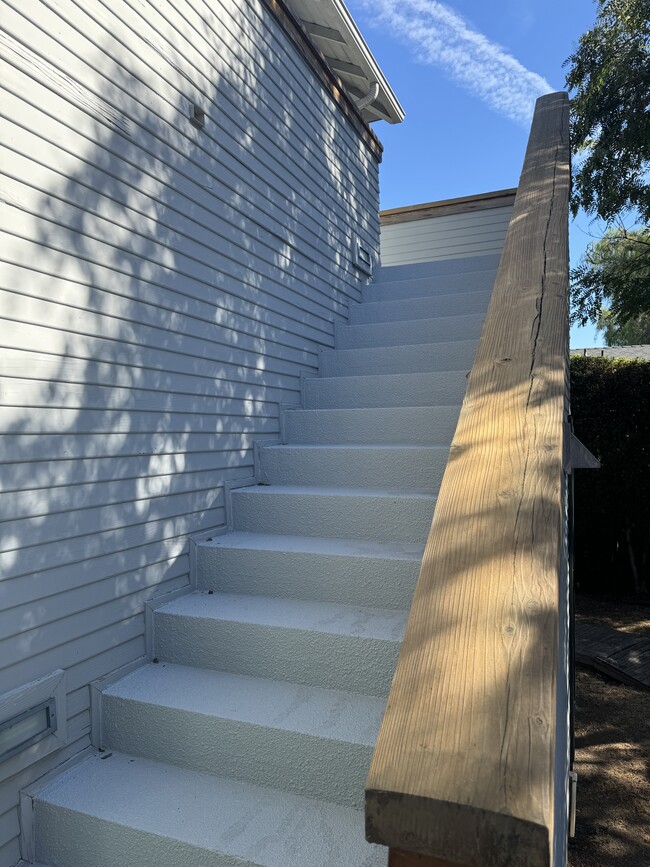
(612, 754)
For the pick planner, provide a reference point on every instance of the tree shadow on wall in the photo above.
(181, 280)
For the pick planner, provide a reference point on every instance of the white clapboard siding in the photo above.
(162, 289)
(452, 236)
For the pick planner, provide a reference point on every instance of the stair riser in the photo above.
(385, 518)
(307, 765)
(405, 469)
(331, 661)
(397, 390)
(462, 303)
(321, 577)
(428, 287)
(426, 358)
(397, 426)
(462, 266)
(70, 839)
(405, 333)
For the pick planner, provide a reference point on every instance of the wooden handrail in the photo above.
(470, 766)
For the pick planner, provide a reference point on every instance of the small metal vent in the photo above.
(362, 258)
(197, 116)
(27, 728)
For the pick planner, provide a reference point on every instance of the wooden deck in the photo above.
(620, 655)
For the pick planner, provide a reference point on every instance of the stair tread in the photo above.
(317, 545)
(438, 297)
(249, 823)
(325, 713)
(437, 267)
(373, 410)
(380, 378)
(424, 321)
(321, 491)
(410, 347)
(396, 447)
(306, 615)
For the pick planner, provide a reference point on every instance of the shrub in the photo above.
(610, 405)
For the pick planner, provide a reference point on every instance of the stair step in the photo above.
(427, 307)
(409, 332)
(343, 647)
(347, 513)
(345, 571)
(462, 265)
(370, 425)
(387, 390)
(415, 358)
(388, 467)
(303, 739)
(394, 289)
(106, 812)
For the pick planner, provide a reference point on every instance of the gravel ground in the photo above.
(612, 754)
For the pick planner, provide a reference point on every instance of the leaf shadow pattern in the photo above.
(164, 287)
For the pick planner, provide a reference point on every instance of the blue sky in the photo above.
(467, 73)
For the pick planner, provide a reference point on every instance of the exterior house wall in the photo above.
(449, 236)
(163, 286)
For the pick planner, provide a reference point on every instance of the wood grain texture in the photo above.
(412, 859)
(462, 205)
(464, 767)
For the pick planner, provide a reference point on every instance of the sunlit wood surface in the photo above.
(465, 764)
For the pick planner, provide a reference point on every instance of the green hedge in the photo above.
(610, 405)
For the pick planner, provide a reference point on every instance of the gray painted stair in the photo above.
(420, 308)
(271, 677)
(345, 571)
(329, 645)
(371, 425)
(345, 513)
(314, 742)
(386, 391)
(389, 467)
(126, 810)
(408, 331)
(420, 358)
(439, 272)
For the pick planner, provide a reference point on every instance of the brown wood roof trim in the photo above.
(316, 60)
(463, 205)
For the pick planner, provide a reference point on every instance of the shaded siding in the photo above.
(476, 233)
(162, 289)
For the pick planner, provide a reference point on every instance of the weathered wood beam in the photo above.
(471, 761)
(411, 859)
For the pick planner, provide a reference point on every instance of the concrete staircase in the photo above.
(248, 741)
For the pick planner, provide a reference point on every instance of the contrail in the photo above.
(442, 38)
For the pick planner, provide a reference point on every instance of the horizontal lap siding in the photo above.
(162, 288)
(454, 236)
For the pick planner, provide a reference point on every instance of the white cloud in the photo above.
(442, 38)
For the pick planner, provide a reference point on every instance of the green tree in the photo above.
(630, 333)
(609, 80)
(615, 269)
(609, 77)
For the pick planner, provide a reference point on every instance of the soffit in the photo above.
(331, 28)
